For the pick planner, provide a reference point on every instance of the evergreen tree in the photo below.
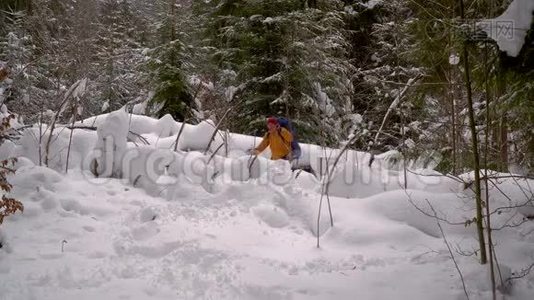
(172, 93)
(382, 54)
(281, 59)
(118, 54)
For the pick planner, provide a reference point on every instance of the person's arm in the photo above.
(288, 137)
(263, 145)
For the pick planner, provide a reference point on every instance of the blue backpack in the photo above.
(295, 147)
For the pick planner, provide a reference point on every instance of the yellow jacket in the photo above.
(279, 141)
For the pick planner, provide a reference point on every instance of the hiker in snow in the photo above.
(278, 138)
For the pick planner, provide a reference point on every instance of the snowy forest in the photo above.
(415, 119)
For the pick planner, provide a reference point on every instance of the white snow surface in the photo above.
(185, 225)
(510, 29)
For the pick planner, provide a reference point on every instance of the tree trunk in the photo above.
(450, 95)
(450, 90)
(29, 7)
(503, 145)
(486, 185)
(501, 136)
(474, 143)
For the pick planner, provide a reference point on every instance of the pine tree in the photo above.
(172, 92)
(277, 58)
(16, 52)
(118, 42)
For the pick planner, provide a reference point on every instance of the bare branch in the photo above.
(430, 215)
(217, 129)
(394, 104)
(179, 135)
(522, 273)
(56, 116)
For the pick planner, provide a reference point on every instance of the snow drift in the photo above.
(163, 224)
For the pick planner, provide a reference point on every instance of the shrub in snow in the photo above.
(8, 205)
(9, 121)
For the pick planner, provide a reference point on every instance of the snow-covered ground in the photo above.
(194, 229)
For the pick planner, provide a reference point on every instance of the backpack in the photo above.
(295, 147)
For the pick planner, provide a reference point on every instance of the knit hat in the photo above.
(272, 120)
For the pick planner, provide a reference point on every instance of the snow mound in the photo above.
(166, 125)
(29, 147)
(147, 214)
(251, 239)
(353, 178)
(272, 215)
(192, 225)
(111, 144)
(198, 137)
(307, 181)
